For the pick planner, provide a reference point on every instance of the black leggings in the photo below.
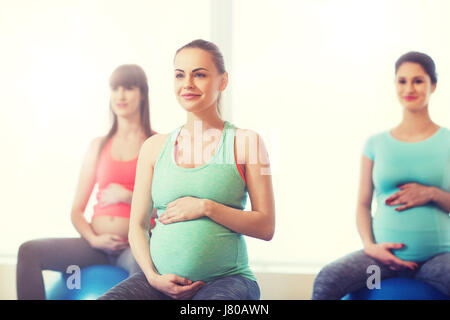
(57, 254)
(349, 273)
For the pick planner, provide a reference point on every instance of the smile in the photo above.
(190, 96)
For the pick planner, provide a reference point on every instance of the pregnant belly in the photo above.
(424, 231)
(197, 250)
(111, 225)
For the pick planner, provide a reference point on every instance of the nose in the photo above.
(410, 86)
(188, 82)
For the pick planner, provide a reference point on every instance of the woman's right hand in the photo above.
(109, 243)
(382, 253)
(175, 286)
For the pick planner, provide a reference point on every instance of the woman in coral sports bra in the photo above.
(111, 162)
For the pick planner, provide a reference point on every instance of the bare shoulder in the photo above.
(246, 133)
(151, 148)
(249, 147)
(94, 146)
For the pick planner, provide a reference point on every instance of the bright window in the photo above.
(56, 60)
(315, 79)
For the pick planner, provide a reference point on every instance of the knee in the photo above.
(326, 284)
(28, 250)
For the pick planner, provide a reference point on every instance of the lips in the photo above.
(190, 96)
(410, 98)
(121, 105)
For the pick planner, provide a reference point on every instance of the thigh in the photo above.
(234, 287)
(436, 272)
(125, 260)
(59, 253)
(136, 287)
(348, 274)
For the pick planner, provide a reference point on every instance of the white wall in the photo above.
(56, 60)
(313, 77)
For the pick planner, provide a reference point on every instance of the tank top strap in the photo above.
(165, 156)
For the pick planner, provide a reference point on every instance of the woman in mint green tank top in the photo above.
(198, 178)
(408, 171)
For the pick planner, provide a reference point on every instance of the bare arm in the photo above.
(86, 183)
(141, 208)
(364, 204)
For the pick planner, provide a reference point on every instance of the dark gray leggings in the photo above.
(57, 254)
(234, 287)
(349, 273)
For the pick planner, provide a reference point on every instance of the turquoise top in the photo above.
(425, 230)
(199, 249)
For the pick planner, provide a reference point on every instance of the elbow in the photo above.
(268, 235)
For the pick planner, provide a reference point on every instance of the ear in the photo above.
(223, 81)
(433, 87)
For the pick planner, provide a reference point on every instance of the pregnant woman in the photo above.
(111, 162)
(197, 178)
(408, 167)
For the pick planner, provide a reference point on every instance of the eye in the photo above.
(200, 75)
(402, 81)
(179, 75)
(418, 81)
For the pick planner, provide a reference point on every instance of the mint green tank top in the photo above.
(199, 249)
(425, 230)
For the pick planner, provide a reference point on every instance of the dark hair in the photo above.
(421, 58)
(129, 75)
(216, 56)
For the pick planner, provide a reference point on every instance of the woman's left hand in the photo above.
(182, 209)
(115, 193)
(410, 195)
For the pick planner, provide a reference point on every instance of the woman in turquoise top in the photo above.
(408, 168)
(197, 177)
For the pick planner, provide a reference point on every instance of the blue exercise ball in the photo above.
(89, 284)
(399, 288)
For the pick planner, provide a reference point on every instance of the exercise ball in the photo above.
(93, 281)
(399, 288)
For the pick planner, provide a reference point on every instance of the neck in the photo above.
(127, 128)
(416, 122)
(209, 119)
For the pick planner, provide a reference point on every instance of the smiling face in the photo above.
(125, 101)
(414, 86)
(197, 82)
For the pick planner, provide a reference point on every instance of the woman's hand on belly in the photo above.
(175, 286)
(109, 243)
(381, 252)
(182, 209)
(410, 195)
(115, 193)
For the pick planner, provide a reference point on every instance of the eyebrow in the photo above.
(414, 77)
(195, 70)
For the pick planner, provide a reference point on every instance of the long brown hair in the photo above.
(216, 56)
(129, 75)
